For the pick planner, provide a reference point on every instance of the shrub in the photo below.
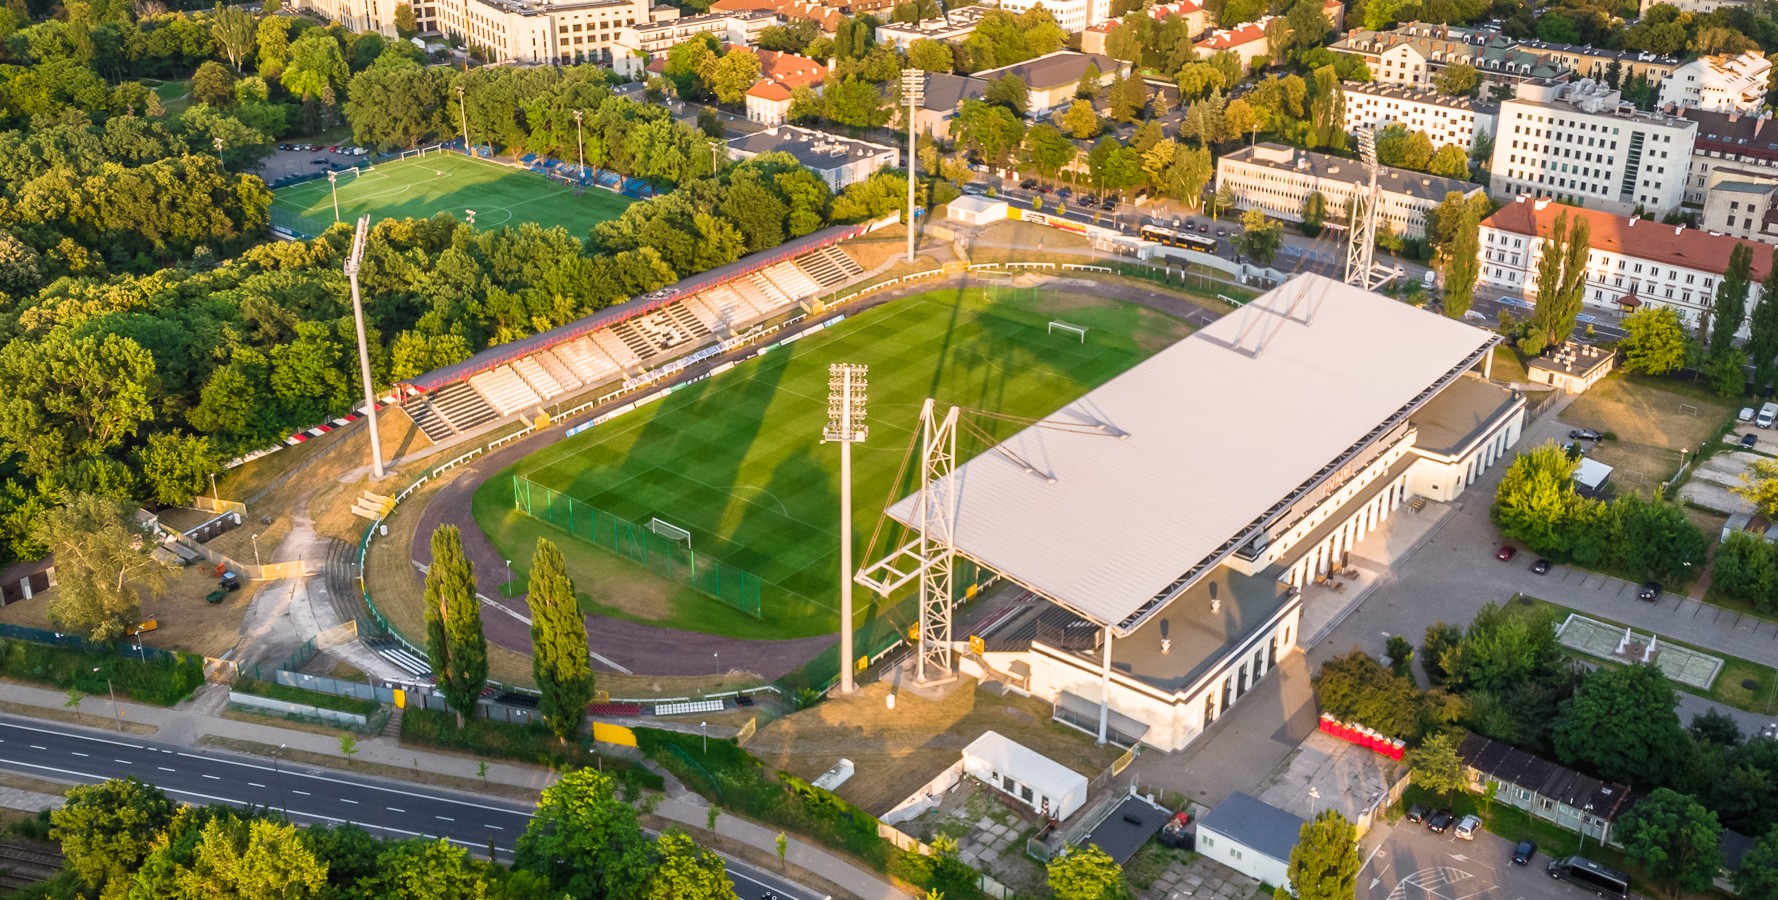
(532, 743)
(162, 682)
(288, 694)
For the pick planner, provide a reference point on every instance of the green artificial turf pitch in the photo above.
(413, 188)
(737, 459)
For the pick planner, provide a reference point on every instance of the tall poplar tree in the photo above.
(558, 644)
(1464, 265)
(1762, 338)
(455, 644)
(1730, 306)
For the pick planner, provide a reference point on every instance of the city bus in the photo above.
(1178, 238)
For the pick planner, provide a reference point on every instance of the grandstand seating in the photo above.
(706, 316)
(505, 391)
(762, 293)
(638, 343)
(793, 281)
(685, 318)
(388, 649)
(559, 371)
(829, 266)
(692, 706)
(588, 363)
(450, 410)
(615, 347)
(614, 710)
(539, 378)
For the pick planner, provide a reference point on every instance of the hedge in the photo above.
(273, 690)
(162, 682)
(532, 743)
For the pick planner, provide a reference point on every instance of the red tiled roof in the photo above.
(1671, 245)
(1158, 12)
(1240, 35)
(769, 90)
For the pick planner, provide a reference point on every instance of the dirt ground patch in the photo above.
(1010, 236)
(187, 623)
(879, 248)
(896, 752)
(1653, 420)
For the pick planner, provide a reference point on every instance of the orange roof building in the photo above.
(780, 74)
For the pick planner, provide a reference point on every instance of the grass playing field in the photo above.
(737, 459)
(422, 186)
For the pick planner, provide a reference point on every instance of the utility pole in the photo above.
(463, 111)
(333, 185)
(846, 386)
(370, 398)
(580, 139)
(913, 92)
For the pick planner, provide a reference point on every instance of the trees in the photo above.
(1757, 879)
(236, 34)
(406, 23)
(1196, 81)
(991, 131)
(107, 829)
(684, 871)
(558, 642)
(102, 572)
(1314, 213)
(1746, 568)
(1324, 863)
(1357, 688)
(1449, 161)
(1503, 648)
(213, 84)
(1046, 149)
(1009, 91)
(1762, 329)
(175, 466)
(1561, 281)
(1080, 120)
(1087, 873)
(1535, 502)
(1436, 767)
(1463, 263)
(65, 398)
(579, 834)
(1397, 146)
(1723, 318)
(1260, 237)
(732, 75)
(421, 869)
(1459, 80)
(1674, 838)
(1239, 118)
(1654, 340)
(928, 55)
(1127, 98)
(1621, 723)
(317, 68)
(455, 645)
(1759, 486)
(1657, 537)
(856, 103)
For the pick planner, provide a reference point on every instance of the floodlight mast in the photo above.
(353, 260)
(846, 397)
(913, 92)
(1361, 226)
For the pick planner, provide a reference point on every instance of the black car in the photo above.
(1650, 592)
(1418, 812)
(1523, 852)
(1440, 821)
(1028, 184)
(1541, 567)
(1585, 434)
(1749, 440)
(320, 162)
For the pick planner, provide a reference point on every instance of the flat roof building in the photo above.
(635, 45)
(954, 25)
(1171, 587)
(939, 102)
(1277, 179)
(1252, 837)
(1445, 119)
(839, 161)
(1053, 77)
(1721, 83)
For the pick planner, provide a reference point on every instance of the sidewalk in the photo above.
(186, 727)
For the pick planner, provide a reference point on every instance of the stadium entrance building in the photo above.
(1171, 537)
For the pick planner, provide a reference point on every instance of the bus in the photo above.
(1178, 238)
(1590, 875)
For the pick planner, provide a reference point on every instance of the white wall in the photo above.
(1221, 848)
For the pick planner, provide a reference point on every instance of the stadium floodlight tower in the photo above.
(913, 93)
(846, 387)
(1361, 226)
(931, 556)
(580, 141)
(353, 260)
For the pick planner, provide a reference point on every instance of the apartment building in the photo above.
(1581, 144)
(636, 44)
(1596, 63)
(1246, 40)
(1053, 77)
(1072, 15)
(507, 31)
(1632, 262)
(1720, 83)
(1415, 53)
(829, 14)
(768, 101)
(1729, 147)
(1696, 7)
(954, 26)
(1745, 208)
(1277, 179)
(1197, 19)
(1444, 119)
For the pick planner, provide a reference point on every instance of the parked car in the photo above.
(1541, 567)
(1650, 592)
(1585, 434)
(1030, 183)
(1222, 232)
(289, 147)
(1440, 821)
(1506, 553)
(1466, 829)
(1418, 813)
(974, 190)
(1203, 227)
(1749, 440)
(319, 162)
(1523, 852)
(1745, 415)
(1065, 193)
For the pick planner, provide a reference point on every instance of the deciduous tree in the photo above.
(106, 829)
(730, 77)
(1723, 317)
(455, 644)
(558, 643)
(1314, 213)
(1260, 237)
(317, 67)
(1357, 688)
(685, 871)
(1463, 264)
(1674, 838)
(580, 832)
(1757, 878)
(1324, 863)
(1087, 873)
(1080, 121)
(1435, 766)
(1458, 81)
(1654, 340)
(422, 869)
(103, 571)
(1621, 723)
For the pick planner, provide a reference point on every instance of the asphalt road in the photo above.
(305, 794)
(1412, 863)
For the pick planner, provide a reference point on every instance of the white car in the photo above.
(1466, 829)
(1745, 415)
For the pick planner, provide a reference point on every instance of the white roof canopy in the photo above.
(1217, 434)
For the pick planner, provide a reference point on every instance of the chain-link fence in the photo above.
(659, 554)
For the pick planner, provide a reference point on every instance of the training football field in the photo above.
(420, 187)
(737, 461)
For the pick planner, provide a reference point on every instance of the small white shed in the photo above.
(1037, 781)
(1592, 474)
(971, 210)
(1250, 836)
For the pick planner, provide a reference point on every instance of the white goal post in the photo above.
(1078, 331)
(675, 534)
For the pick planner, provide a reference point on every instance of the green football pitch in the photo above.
(737, 461)
(420, 187)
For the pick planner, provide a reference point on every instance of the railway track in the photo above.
(27, 862)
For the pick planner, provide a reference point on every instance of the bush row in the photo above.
(162, 682)
(532, 743)
(275, 691)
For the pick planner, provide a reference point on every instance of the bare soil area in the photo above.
(187, 623)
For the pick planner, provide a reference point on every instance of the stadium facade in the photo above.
(1169, 543)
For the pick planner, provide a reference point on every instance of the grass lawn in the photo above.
(1741, 683)
(737, 460)
(1652, 418)
(420, 187)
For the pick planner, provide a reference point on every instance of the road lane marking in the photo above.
(165, 769)
(495, 827)
(444, 818)
(38, 747)
(255, 784)
(353, 802)
(304, 793)
(213, 777)
(78, 753)
(361, 785)
(393, 809)
(70, 734)
(124, 761)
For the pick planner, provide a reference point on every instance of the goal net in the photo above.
(1077, 331)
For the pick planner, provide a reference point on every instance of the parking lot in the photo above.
(1412, 863)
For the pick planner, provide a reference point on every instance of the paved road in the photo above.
(307, 795)
(1412, 863)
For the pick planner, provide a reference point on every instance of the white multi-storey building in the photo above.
(1721, 83)
(1072, 15)
(1277, 179)
(1581, 143)
(636, 44)
(955, 25)
(519, 31)
(1444, 119)
(1632, 262)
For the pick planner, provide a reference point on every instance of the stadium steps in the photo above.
(388, 649)
(558, 370)
(852, 267)
(820, 268)
(793, 281)
(689, 320)
(770, 298)
(731, 309)
(614, 710)
(463, 407)
(432, 422)
(615, 348)
(701, 311)
(588, 363)
(632, 337)
(539, 378)
(751, 295)
(505, 391)
(660, 329)
(691, 706)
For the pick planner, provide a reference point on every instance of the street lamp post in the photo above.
(463, 110)
(256, 550)
(706, 729)
(333, 186)
(846, 385)
(213, 491)
(115, 712)
(580, 140)
(509, 574)
(353, 261)
(1314, 801)
(716, 656)
(218, 143)
(278, 780)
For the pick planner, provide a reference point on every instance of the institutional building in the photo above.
(1730, 147)
(1415, 53)
(1582, 144)
(1693, 6)
(952, 27)
(839, 161)
(1167, 584)
(637, 44)
(1445, 119)
(1072, 15)
(1052, 79)
(1633, 262)
(829, 14)
(1278, 179)
(1246, 40)
(506, 31)
(939, 103)
(1720, 83)
(768, 101)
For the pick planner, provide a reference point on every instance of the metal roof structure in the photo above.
(1255, 824)
(1200, 447)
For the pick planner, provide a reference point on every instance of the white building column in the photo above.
(1105, 688)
